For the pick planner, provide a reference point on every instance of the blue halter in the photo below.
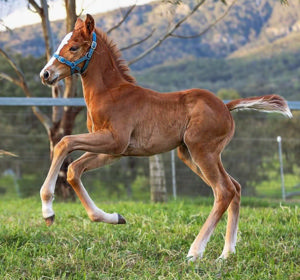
(87, 58)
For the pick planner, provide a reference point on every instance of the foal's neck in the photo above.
(101, 77)
(103, 72)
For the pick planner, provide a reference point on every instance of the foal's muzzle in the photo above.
(48, 78)
(46, 75)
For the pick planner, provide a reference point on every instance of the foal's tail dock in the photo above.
(267, 103)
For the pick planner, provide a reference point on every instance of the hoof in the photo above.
(191, 259)
(121, 219)
(50, 220)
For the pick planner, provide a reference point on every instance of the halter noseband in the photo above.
(87, 58)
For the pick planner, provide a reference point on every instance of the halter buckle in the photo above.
(93, 45)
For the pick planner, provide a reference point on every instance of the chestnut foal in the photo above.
(125, 119)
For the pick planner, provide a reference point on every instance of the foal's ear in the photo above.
(89, 24)
(79, 23)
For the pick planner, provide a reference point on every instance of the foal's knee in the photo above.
(63, 146)
(238, 189)
(72, 174)
(224, 196)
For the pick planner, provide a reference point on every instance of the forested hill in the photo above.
(251, 27)
(249, 77)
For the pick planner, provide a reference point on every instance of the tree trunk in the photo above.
(62, 118)
(157, 179)
(58, 130)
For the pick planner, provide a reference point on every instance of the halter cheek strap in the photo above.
(74, 64)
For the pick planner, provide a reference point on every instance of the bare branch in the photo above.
(209, 26)
(138, 42)
(6, 28)
(6, 153)
(167, 34)
(37, 8)
(21, 82)
(12, 64)
(10, 79)
(123, 19)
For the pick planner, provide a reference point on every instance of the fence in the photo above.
(38, 101)
(23, 135)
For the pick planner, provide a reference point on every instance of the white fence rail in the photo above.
(41, 101)
(49, 101)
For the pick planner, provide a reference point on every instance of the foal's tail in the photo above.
(266, 103)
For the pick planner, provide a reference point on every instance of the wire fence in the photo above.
(254, 160)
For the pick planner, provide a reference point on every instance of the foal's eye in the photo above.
(73, 48)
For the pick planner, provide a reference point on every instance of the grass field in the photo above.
(152, 245)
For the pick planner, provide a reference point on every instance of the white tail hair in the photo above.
(267, 103)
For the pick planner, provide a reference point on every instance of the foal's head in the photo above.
(73, 54)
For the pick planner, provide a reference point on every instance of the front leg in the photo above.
(98, 142)
(48, 188)
(86, 162)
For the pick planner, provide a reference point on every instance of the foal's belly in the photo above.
(152, 144)
(149, 151)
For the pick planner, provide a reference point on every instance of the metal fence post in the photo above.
(281, 167)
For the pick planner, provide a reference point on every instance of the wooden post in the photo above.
(157, 179)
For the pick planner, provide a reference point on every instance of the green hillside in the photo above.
(250, 25)
(249, 76)
(289, 43)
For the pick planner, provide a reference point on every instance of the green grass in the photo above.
(272, 187)
(152, 245)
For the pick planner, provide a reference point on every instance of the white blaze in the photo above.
(62, 44)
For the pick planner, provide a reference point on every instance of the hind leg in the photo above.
(209, 167)
(232, 222)
(233, 209)
(184, 154)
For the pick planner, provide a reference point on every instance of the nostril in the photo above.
(46, 75)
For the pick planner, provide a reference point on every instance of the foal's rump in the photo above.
(267, 103)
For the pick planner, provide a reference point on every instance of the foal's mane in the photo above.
(116, 55)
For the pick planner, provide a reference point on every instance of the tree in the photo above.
(62, 120)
